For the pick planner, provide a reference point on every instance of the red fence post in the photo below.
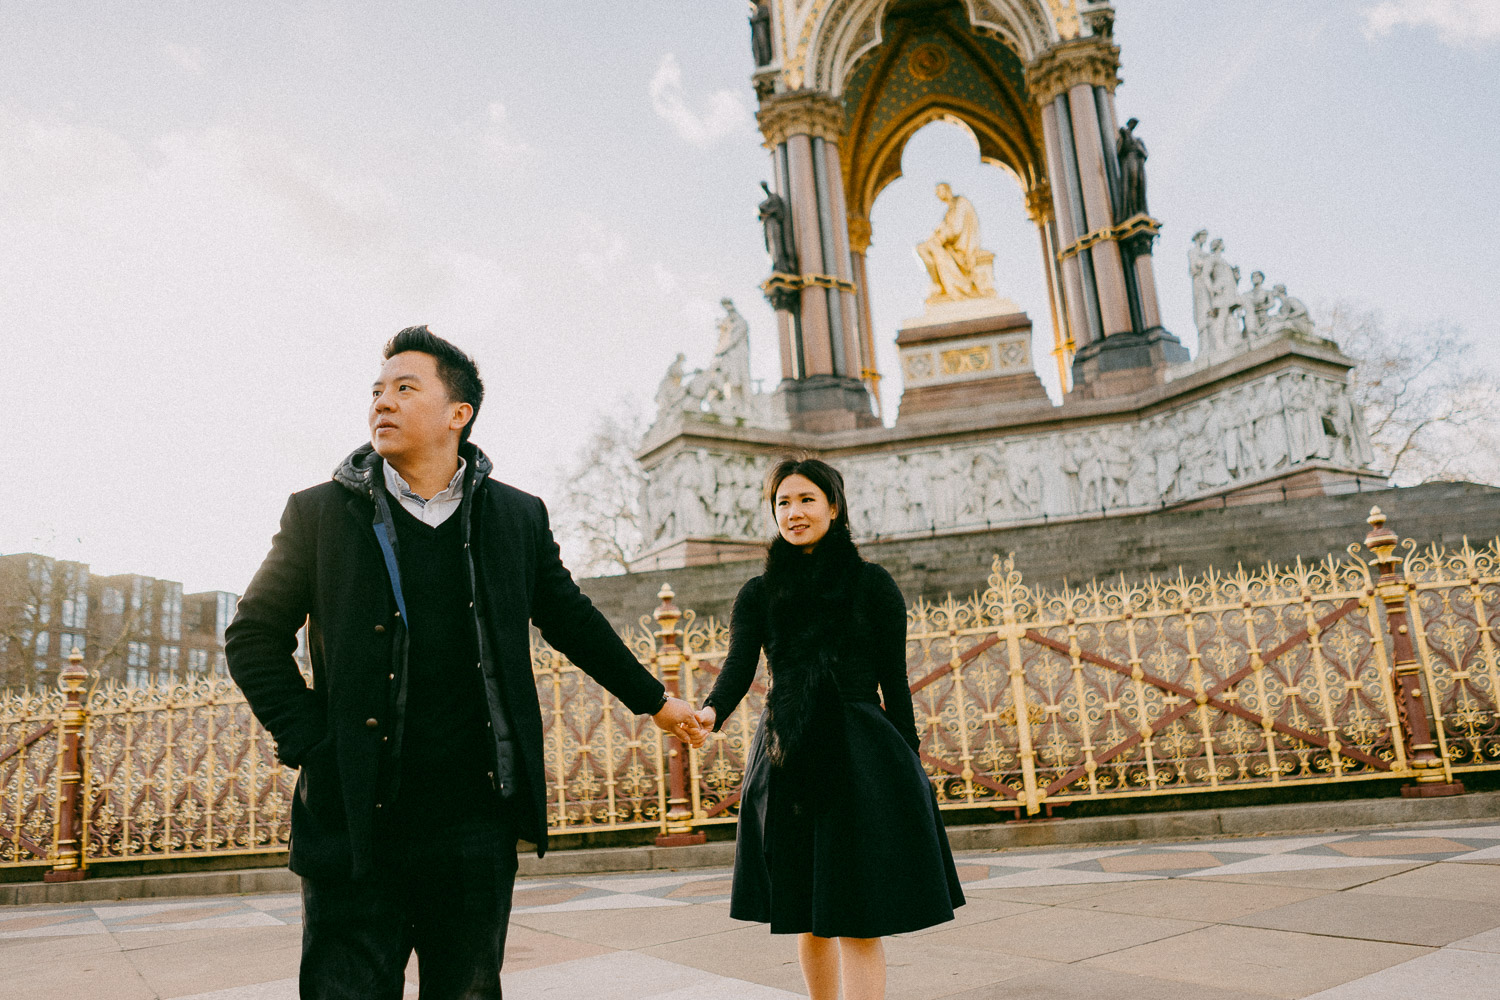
(679, 831)
(69, 866)
(1418, 721)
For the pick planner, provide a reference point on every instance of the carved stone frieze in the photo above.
(1253, 431)
(967, 358)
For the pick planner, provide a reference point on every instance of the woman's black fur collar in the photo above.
(823, 574)
(811, 602)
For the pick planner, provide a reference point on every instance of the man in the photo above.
(420, 738)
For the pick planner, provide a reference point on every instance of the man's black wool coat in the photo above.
(326, 568)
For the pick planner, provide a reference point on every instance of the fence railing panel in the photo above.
(1356, 667)
(1455, 611)
(30, 728)
(180, 769)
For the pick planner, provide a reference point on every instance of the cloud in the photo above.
(600, 246)
(1459, 23)
(498, 137)
(723, 112)
(186, 57)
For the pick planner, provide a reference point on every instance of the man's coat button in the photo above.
(373, 723)
(379, 628)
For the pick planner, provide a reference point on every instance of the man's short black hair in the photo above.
(458, 371)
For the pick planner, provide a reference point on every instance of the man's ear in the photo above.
(462, 413)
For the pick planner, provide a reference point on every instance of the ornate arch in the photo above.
(834, 35)
(931, 69)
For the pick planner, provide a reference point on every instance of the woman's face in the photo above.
(803, 512)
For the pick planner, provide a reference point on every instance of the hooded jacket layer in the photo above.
(326, 567)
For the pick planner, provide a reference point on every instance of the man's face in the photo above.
(410, 412)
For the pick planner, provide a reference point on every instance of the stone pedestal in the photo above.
(962, 354)
(820, 404)
(1123, 363)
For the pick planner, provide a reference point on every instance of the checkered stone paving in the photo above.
(1371, 915)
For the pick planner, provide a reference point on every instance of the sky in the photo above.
(212, 216)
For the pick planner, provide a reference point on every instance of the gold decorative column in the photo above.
(1039, 206)
(678, 821)
(1418, 719)
(68, 852)
(859, 247)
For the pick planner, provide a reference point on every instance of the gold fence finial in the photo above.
(667, 615)
(1381, 540)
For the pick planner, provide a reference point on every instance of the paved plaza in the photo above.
(1378, 915)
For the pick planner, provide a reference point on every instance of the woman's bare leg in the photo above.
(864, 968)
(819, 957)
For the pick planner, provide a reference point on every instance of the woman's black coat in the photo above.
(839, 830)
(326, 568)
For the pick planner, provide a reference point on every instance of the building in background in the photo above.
(132, 629)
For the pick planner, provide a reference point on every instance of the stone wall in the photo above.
(1136, 545)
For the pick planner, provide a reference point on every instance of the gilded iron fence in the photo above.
(1381, 663)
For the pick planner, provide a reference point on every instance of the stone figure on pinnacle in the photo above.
(1231, 320)
(760, 32)
(776, 218)
(1132, 154)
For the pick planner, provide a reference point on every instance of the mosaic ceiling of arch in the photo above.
(937, 57)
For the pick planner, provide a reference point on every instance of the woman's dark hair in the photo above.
(458, 371)
(822, 475)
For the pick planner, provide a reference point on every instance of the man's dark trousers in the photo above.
(445, 895)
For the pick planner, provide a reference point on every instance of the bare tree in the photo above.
(35, 597)
(600, 520)
(24, 594)
(1429, 394)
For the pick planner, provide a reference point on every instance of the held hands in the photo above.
(678, 718)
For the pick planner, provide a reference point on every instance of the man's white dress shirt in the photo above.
(434, 511)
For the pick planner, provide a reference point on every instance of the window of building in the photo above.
(169, 656)
(137, 676)
(75, 611)
(137, 654)
(224, 613)
(111, 601)
(72, 641)
(171, 611)
(221, 664)
(198, 660)
(40, 571)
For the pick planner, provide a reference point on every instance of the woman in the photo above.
(840, 841)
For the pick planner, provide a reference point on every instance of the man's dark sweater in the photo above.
(446, 755)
